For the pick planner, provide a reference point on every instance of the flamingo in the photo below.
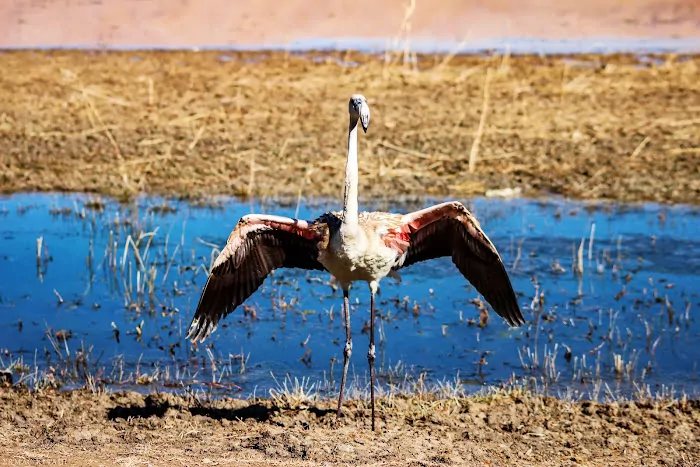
(352, 246)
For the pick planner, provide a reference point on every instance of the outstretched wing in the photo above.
(258, 245)
(449, 229)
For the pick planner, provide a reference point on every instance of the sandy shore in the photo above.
(28, 23)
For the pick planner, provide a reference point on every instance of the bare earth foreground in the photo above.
(85, 428)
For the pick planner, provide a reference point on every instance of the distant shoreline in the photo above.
(513, 45)
(268, 24)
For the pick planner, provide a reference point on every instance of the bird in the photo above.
(353, 247)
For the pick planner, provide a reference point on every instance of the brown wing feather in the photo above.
(457, 234)
(241, 268)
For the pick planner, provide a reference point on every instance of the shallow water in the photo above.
(514, 45)
(637, 298)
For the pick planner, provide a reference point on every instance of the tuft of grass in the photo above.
(293, 393)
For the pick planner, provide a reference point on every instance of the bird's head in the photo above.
(359, 109)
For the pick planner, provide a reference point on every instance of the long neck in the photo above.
(350, 216)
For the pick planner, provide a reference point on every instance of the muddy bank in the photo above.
(84, 428)
(274, 124)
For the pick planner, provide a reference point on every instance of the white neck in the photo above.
(350, 216)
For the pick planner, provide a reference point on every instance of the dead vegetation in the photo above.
(197, 124)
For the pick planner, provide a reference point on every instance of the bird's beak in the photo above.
(364, 116)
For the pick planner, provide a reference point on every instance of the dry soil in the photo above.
(84, 428)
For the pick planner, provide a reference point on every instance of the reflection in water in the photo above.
(94, 287)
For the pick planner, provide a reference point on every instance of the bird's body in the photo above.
(365, 254)
(353, 246)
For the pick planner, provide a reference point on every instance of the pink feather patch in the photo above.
(398, 239)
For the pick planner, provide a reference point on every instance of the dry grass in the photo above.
(191, 124)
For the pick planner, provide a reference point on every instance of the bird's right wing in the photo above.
(449, 229)
(258, 245)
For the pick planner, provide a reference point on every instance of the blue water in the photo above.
(637, 298)
(514, 45)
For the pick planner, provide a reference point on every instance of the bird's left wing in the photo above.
(449, 229)
(258, 245)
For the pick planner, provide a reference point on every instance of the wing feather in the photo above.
(253, 250)
(450, 230)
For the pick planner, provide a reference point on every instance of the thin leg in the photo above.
(347, 351)
(370, 353)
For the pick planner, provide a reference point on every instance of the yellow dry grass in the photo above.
(274, 124)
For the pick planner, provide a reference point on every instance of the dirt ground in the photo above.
(84, 428)
(32, 23)
(274, 124)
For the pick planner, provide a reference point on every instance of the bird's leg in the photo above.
(347, 351)
(370, 353)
